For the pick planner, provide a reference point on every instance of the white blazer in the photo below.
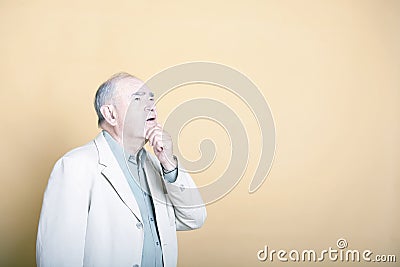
(90, 217)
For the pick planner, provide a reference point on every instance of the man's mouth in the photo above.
(151, 118)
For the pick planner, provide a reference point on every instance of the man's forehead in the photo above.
(133, 86)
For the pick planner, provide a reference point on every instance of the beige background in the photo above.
(328, 69)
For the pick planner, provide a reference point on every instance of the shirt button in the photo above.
(151, 219)
(139, 225)
(157, 243)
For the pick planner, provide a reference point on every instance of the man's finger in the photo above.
(156, 138)
(159, 145)
(154, 134)
(151, 130)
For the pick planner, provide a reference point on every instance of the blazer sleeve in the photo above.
(190, 211)
(63, 218)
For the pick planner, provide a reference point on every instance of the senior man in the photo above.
(110, 202)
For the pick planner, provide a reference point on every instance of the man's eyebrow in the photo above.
(138, 93)
(143, 93)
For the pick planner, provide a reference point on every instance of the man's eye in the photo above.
(136, 98)
(151, 98)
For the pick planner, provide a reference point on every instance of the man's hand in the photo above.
(162, 145)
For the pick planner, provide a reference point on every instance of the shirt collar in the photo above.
(119, 151)
(139, 157)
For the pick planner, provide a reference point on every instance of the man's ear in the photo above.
(110, 114)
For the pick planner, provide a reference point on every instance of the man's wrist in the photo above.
(170, 175)
(170, 165)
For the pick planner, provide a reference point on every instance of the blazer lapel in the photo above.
(113, 173)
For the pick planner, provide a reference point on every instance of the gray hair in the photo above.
(106, 91)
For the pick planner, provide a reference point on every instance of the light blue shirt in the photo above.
(152, 251)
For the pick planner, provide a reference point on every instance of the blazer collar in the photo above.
(113, 173)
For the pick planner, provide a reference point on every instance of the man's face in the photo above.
(136, 101)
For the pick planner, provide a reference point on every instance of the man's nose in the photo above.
(150, 107)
